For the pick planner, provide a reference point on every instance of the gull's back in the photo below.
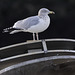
(27, 23)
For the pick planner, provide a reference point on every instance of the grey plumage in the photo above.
(21, 25)
(27, 23)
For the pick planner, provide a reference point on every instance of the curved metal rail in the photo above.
(58, 54)
(43, 45)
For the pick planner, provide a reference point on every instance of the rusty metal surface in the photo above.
(44, 65)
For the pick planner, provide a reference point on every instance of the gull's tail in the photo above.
(8, 29)
(12, 30)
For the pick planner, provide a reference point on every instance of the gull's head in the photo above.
(45, 11)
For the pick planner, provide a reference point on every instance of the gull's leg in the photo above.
(33, 36)
(37, 36)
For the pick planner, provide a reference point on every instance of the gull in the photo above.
(34, 24)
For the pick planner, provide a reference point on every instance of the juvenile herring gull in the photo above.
(33, 24)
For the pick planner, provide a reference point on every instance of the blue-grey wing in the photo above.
(27, 23)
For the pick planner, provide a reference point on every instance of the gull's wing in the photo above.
(27, 23)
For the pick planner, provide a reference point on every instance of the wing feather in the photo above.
(27, 23)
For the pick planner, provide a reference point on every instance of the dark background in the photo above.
(62, 23)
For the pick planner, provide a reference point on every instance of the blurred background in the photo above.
(62, 23)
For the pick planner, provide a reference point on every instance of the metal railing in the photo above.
(18, 55)
(44, 45)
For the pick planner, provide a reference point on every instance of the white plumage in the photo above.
(34, 24)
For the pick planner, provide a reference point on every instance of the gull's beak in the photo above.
(51, 12)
